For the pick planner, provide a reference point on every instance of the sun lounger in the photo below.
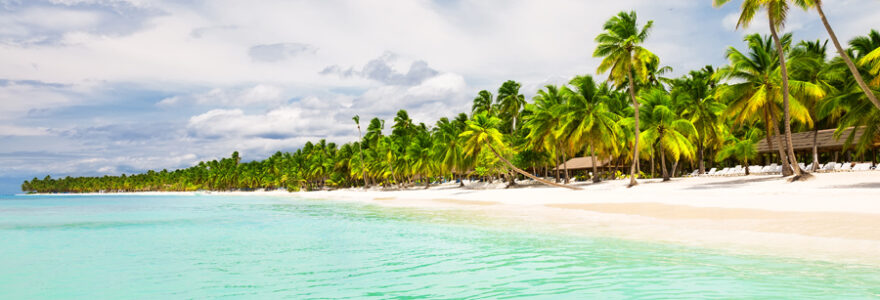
(862, 167)
(711, 172)
(846, 167)
(755, 169)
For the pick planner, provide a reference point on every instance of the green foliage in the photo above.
(720, 112)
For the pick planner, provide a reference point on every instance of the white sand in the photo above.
(835, 216)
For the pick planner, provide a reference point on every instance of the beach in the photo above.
(834, 216)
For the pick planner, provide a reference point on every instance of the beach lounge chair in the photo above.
(862, 167)
(755, 169)
(828, 167)
(846, 167)
(711, 172)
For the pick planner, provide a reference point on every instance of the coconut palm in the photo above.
(695, 94)
(543, 123)
(420, 156)
(510, 102)
(777, 10)
(848, 106)
(810, 64)
(844, 55)
(622, 54)
(483, 103)
(742, 149)
(482, 131)
(448, 151)
(869, 56)
(587, 120)
(756, 93)
(357, 120)
(671, 132)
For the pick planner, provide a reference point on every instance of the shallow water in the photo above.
(270, 247)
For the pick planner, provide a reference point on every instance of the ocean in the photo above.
(171, 247)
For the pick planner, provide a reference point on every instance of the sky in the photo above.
(104, 87)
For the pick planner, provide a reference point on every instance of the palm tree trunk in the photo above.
(783, 160)
(361, 152)
(702, 166)
(635, 162)
(564, 165)
(518, 170)
(846, 58)
(663, 163)
(815, 166)
(595, 176)
(747, 166)
(674, 168)
(785, 102)
(512, 180)
(556, 166)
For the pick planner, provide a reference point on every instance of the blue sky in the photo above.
(93, 87)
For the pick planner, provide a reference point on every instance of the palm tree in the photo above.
(483, 103)
(777, 10)
(588, 121)
(757, 94)
(742, 149)
(843, 54)
(620, 47)
(543, 123)
(448, 151)
(510, 102)
(670, 131)
(848, 105)
(357, 120)
(809, 64)
(869, 56)
(483, 131)
(420, 156)
(695, 94)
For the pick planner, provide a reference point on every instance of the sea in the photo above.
(267, 247)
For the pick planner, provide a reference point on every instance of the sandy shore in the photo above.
(835, 216)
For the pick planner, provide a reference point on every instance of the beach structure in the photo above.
(584, 165)
(828, 146)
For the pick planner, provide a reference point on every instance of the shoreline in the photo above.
(832, 217)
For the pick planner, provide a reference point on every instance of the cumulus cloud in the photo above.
(29, 23)
(315, 118)
(382, 69)
(84, 76)
(279, 52)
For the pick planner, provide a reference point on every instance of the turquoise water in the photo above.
(160, 247)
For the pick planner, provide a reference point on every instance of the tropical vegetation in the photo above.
(770, 87)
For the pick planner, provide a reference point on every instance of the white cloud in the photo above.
(245, 75)
(258, 95)
(12, 130)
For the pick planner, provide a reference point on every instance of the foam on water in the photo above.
(120, 246)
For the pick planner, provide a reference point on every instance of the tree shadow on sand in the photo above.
(741, 181)
(862, 185)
